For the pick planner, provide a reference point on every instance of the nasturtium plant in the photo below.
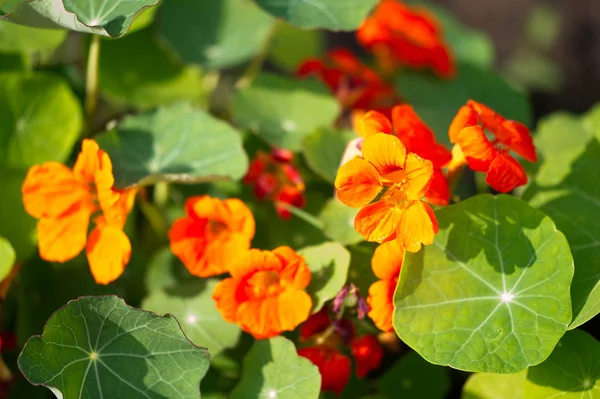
(7, 257)
(106, 348)
(323, 150)
(490, 385)
(17, 39)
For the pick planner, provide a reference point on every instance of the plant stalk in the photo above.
(91, 78)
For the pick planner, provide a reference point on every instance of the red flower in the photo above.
(367, 352)
(402, 35)
(334, 367)
(355, 85)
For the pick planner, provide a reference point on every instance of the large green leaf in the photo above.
(292, 45)
(572, 371)
(19, 39)
(273, 369)
(174, 143)
(324, 149)
(192, 304)
(7, 257)
(214, 34)
(329, 264)
(128, 80)
(103, 17)
(566, 188)
(494, 386)
(98, 347)
(338, 222)
(40, 119)
(437, 101)
(413, 377)
(492, 292)
(284, 111)
(328, 14)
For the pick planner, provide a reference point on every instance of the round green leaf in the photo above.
(492, 292)
(19, 39)
(324, 149)
(284, 111)
(572, 371)
(494, 386)
(292, 45)
(437, 101)
(566, 188)
(338, 222)
(214, 34)
(328, 14)
(102, 17)
(175, 143)
(98, 347)
(329, 264)
(192, 304)
(273, 369)
(128, 80)
(413, 377)
(40, 119)
(160, 273)
(8, 256)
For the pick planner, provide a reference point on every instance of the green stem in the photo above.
(307, 217)
(161, 193)
(91, 79)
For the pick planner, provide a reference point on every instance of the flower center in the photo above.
(263, 284)
(214, 227)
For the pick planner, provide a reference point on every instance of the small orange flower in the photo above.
(367, 353)
(276, 179)
(468, 132)
(402, 35)
(64, 200)
(265, 293)
(334, 367)
(355, 85)
(386, 264)
(399, 213)
(212, 234)
(417, 137)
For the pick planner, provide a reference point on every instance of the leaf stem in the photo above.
(91, 78)
(161, 193)
(307, 217)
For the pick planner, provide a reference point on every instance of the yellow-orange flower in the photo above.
(265, 293)
(64, 200)
(212, 234)
(386, 264)
(399, 213)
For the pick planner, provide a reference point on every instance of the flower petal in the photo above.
(385, 152)
(240, 217)
(476, 148)
(108, 251)
(419, 173)
(255, 260)
(381, 303)
(505, 173)
(417, 226)
(294, 270)
(439, 190)
(490, 119)
(367, 353)
(374, 122)
(357, 183)
(334, 367)
(387, 260)
(378, 221)
(63, 237)
(315, 324)
(226, 298)
(87, 161)
(465, 117)
(517, 137)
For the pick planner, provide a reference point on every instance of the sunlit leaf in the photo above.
(40, 119)
(174, 143)
(494, 386)
(18, 39)
(324, 149)
(98, 347)
(284, 111)
(492, 292)
(329, 264)
(292, 45)
(214, 34)
(338, 222)
(328, 14)
(273, 369)
(7, 257)
(192, 304)
(571, 371)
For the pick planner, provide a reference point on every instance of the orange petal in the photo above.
(357, 183)
(374, 122)
(294, 270)
(221, 253)
(367, 353)
(378, 221)
(108, 251)
(269, 317)
(62, 238)
(225, 296)
(334, 367)
(490, 119)
(104, 181)
(385, 152)
(419, 172)
(381, 303)
(51, 189)
(240, 217)
(387, 260)
(476, 148)
(87, 161)
(465, 117)
(517, 137)
(255, 260)
(408, 127)
(505, 173)
(417, 226)
(439, 190)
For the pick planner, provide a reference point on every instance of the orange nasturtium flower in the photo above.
(355, 85)
(65, 199)
(399, 213)
(212, 234)
(386, 264)
(265, 293)
(418, 138)
(401, 35)
(472, 146)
